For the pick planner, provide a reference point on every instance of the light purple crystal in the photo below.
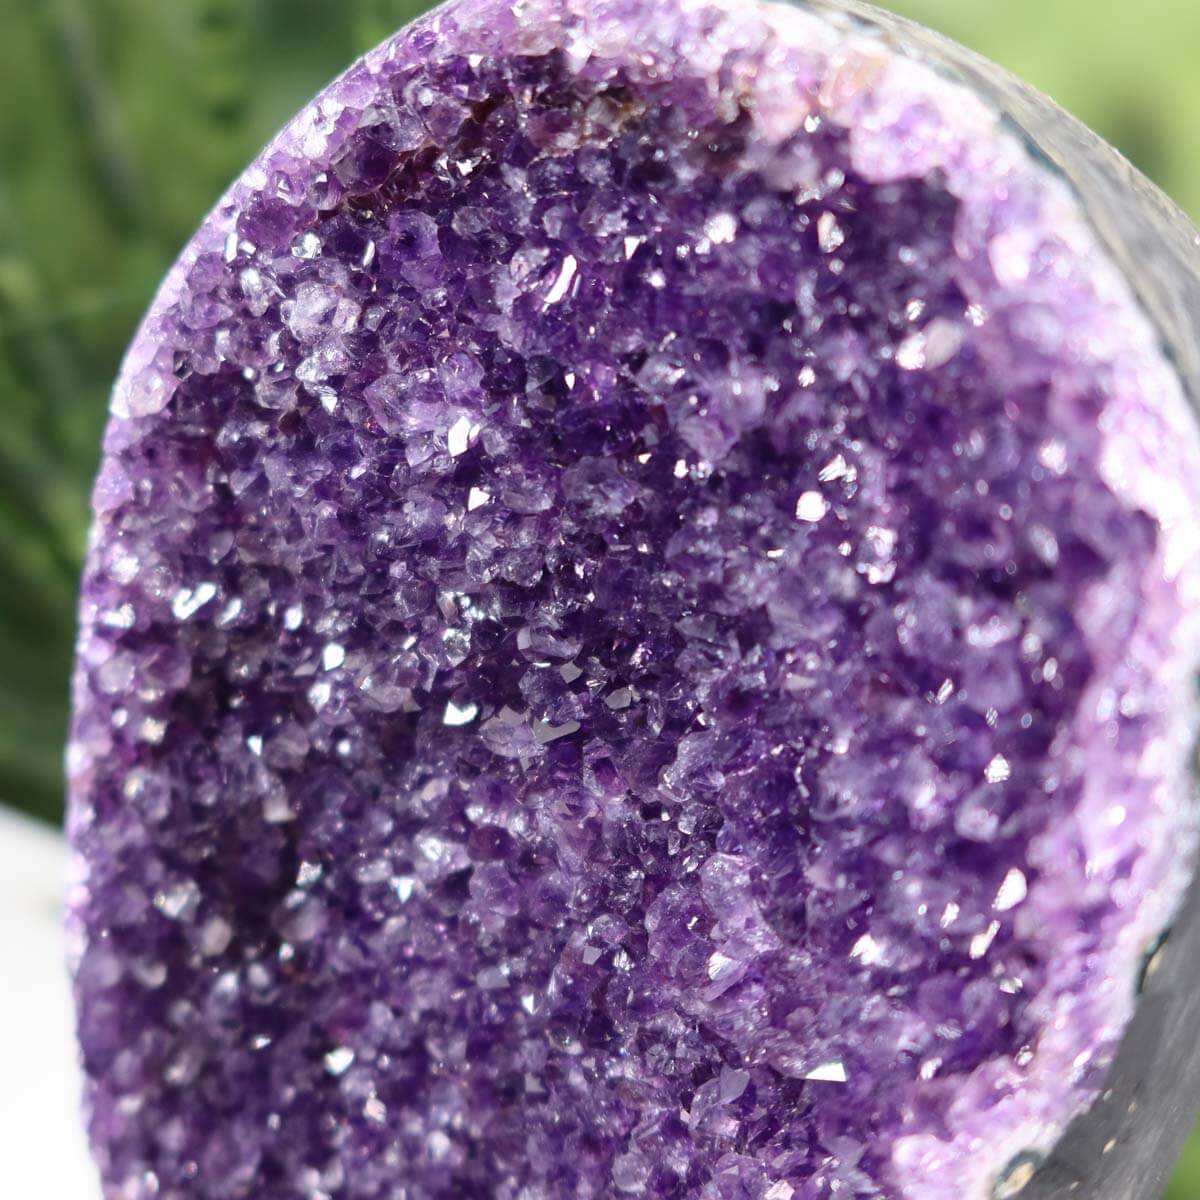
(637, 641)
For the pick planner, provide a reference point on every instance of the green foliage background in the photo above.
(121, 121)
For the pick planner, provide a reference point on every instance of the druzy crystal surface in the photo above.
(637, 639)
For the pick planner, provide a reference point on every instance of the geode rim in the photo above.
(236, 616)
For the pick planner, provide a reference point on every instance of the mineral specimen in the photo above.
(637, 640)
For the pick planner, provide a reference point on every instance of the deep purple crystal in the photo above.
(637, 639)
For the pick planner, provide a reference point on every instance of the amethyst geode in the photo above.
(638, 638)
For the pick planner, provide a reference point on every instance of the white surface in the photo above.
(42, 1150)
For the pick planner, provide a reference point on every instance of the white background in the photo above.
(42, 1150)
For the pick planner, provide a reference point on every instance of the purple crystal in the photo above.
(637, 641)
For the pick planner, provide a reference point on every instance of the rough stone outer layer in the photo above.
(637, 640)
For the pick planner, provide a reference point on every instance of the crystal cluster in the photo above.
(636, 640)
